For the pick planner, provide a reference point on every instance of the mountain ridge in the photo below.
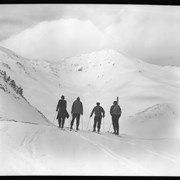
(97, 76)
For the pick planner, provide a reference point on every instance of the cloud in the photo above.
(22, 16)
(53, 40)
(150, 33)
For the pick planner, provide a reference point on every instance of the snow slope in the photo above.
(158, 121)
(15, 106)
(149, 126)
(29, 149)
(97, 76)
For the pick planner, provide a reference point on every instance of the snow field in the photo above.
(39, 149)
(148, 95)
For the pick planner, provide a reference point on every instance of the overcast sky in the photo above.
(54, 31)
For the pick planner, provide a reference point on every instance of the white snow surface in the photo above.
(31, 142)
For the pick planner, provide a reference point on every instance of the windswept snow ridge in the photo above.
(14, 105)
(159, 121)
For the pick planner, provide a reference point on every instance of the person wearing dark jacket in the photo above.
(115, 112)
(76, 111)
(62, 112)
(99, 113)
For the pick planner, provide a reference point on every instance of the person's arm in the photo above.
(72, 108)
(103, 112)
(92, 112)
(120, 111)
(57, 106)
(81, 108)
(111, 110)
(65, 104)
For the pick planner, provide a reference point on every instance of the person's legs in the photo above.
(77, 121)
(95, 123)
(116, 120)
(63, 120)
(99, 123)
(72, 122)
(114, 124)
(59, 121)
(117, 124)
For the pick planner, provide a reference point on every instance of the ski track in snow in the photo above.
(175, 158)
(106, 77)
(166, 156)
(28, 143)
(115, 138)
(13, 120)
(134, 167)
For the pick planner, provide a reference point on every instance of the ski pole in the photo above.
(54, 118)
(110, 127)
(88, 123)
(82, 122)
(70, 120)
(103, 124)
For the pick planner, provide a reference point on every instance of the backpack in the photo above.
(116, 110)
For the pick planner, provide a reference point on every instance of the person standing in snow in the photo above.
(115, 112)
(62, 112)
(76, 111)
(99, 113)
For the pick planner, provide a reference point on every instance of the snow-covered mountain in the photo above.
(14, 106)
(148, 95)
(98, 76)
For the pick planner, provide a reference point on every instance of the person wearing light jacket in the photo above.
(99, 113)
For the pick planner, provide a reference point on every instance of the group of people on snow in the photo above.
(77, 111)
